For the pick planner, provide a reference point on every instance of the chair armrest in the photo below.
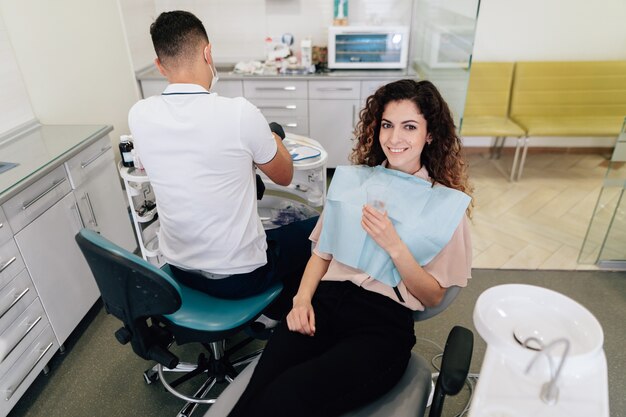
(455, 364)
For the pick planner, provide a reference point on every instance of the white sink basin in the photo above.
(506, 315)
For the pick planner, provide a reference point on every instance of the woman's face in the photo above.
(403, 135)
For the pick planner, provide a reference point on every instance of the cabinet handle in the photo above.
(1, 224)
(353, 114)
(30, 327)
(93, 215)
(334, 89)
(11, 390)
(93, 158)
(7, 263)
(291, 124)
(287, 107)
(15, 300)
(80, 218)
(286, 88)
(40, 196)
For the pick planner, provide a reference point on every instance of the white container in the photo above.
(306, 53)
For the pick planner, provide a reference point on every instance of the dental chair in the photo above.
(157, 311)
(410, 396)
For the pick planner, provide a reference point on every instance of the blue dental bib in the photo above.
(424, 216)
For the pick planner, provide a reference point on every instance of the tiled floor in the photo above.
(539, 222)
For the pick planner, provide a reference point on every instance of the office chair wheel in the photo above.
(150, 376)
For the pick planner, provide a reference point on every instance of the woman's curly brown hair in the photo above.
(442, 158)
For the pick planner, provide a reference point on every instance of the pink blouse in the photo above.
(452, 266)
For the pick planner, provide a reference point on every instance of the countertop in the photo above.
(225, 73)
(38, 149)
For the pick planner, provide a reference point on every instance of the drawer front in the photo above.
(281, 107)
(6, 233)
(20, 334)
(15, 297)
(26, 368)
(369, 87)
(335, 90)
(89, 159)
(11, 262)
(295, 124)
(27, 205)
(229, 88)
(275, 89)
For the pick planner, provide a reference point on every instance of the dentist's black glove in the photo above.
(260, 187)
(278, 129)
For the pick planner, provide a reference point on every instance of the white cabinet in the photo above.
(281, 101)
(333, 113)
(99, 195)
(59, 271)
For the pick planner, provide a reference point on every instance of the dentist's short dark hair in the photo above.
(176, 35)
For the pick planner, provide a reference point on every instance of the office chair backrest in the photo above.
(132, 290)
(449, 296)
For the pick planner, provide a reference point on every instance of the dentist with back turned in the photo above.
(199, 151)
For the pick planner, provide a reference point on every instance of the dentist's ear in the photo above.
(206, 54)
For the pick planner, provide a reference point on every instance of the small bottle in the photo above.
(126, 147)
(136, 161)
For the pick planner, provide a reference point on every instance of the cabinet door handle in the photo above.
(40, 196)
(15, 300)
(334, 89)
(287, 107)
(93, 158)
(93, 214)
(286, 88)
(291, 124)
(353, 114)
(11, 390)
(7, 263)
(30, 327)
(81, 223)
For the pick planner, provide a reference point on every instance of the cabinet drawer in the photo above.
(11, 262)
(281, 107)
(15, 297)
(275, 89)
(369, 87)
(229, 88)
(27, 205)
(334, 89)
(88, 160)
(16, 338)
(5, 231)
(294, 124)
(26, 368)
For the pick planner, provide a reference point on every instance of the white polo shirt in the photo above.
(198, 149)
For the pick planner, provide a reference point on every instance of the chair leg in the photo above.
(190, 407)
(515, 159)
(521, 165)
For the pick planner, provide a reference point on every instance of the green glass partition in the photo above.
(442, 42)
(605, 242)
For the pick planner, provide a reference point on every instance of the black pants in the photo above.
(288, 251)
(360, 350)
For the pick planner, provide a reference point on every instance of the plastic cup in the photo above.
(376, 196)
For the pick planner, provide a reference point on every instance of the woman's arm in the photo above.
(419, 282)
(301, 318)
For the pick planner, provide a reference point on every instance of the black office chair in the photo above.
(410, 395)
(157, 311)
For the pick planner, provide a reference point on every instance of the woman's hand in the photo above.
(301, 318)
(378, 225)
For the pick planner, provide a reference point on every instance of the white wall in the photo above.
(138, 15)
(15, 107)
(550, 30)
(74, 59)
(237, 28)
